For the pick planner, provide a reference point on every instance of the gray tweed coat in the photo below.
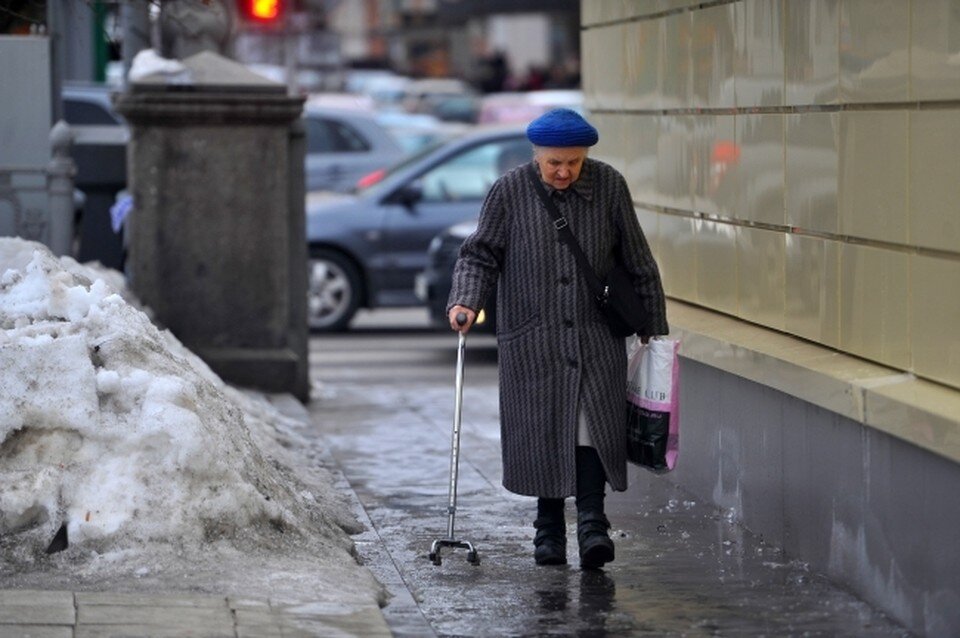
(555, 351)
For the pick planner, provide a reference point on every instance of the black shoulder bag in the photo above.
(615, 294)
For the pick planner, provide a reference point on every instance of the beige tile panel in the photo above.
(758, 173)
(921, 412)
(641, 77)
(812, 288)
(812, 67)
(666, 5)
(874, 50)
(594, 11)
(603, 50)
(761, 265)
(717, 279)
(611, 148)
(590, 12)
(650, 225)
(589, 65)
(812, 158)
(675, 161)
(633, 8)
(935, 50)
(935, 179)
(875, 304)
(713, 52)
(714, 162)
(676, 67)
(678, 257)
(935, 305)
(759, 61)
(641, 141)
(873, 175)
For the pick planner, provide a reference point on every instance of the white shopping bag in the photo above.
(653, 417)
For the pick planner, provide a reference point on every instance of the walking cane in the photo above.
(451, 540)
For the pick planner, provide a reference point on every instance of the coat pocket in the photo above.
(512, 332)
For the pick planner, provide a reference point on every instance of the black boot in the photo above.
(596, 548)
(550, 540)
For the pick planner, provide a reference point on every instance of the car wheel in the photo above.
(333, 291)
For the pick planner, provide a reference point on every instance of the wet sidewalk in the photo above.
(683, 568)
(383, 419)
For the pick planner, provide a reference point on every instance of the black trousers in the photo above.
(591, 487)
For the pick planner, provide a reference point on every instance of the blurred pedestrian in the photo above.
(562, 371)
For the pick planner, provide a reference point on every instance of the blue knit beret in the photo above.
(561, 127)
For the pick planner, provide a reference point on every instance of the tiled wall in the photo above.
(794, 163)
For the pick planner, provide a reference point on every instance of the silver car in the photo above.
(367, 248)
(343, 146)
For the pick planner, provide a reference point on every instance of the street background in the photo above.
(793, 166)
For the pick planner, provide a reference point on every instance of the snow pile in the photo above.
(113, 432)
(148, 62)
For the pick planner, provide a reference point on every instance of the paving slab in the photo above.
(34, 607)
(128, 599)
(36, 597)
(236, 602)
(147, 631)
(351, 626)
(200, 617)
(258, 623)
(36, 631)
(258, 631)
(329, 619)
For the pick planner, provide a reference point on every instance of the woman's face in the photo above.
(560, 166)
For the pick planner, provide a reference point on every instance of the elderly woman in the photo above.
(562, 371)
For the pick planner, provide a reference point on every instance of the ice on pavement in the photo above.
(111, 428)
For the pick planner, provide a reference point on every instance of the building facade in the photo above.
(795, 168)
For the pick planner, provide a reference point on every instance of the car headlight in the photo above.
(435, 244)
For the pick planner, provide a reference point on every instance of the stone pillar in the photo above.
(60, 173)
(216, 236)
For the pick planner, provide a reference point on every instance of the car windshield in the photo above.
(371, 185)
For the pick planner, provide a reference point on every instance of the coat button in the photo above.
(564, 280)
(568, 323)
(572, 363)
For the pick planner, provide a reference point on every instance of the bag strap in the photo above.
(565, 235)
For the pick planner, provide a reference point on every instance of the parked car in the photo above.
(449, 99)
(416, 131)
(343, 145)
(89, 104)
(386, 90)
(308, 80)
(525, 106)
(367, 248)
(99, 150)
(432, 286)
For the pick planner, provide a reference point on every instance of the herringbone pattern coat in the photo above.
(555, 350)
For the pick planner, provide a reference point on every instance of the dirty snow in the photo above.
(161, 474)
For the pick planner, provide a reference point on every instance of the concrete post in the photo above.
(60, 173)
(216, 236)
